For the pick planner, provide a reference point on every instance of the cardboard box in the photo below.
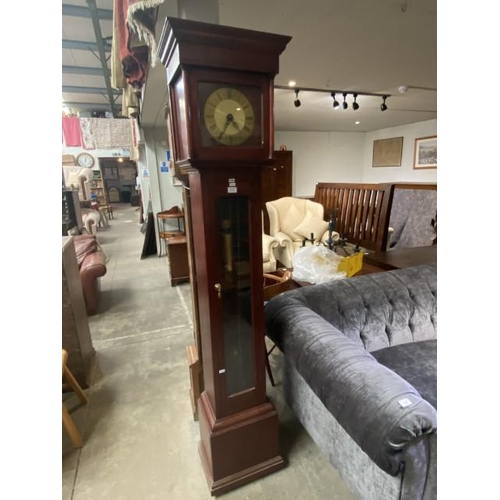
(352, 264)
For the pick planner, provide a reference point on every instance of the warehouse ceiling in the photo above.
(388, 47)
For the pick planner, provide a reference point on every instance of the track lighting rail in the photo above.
(329, 91)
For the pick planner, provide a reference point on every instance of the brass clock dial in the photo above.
(229, 116)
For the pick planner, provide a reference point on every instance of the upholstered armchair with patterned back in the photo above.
(293, 220)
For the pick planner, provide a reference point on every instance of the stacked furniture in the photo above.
(359, 371)
(381, 216)
(413, 216)
(76, 339)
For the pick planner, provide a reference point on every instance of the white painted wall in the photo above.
(168, 194)
(347, 157)
(322, 157)
(164, 194)
(405, 172)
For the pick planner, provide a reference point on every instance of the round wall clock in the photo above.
(85, 160)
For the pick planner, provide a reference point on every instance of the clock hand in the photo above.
(224, 129)
(229, 120)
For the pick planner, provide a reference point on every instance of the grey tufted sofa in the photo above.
(359, 371)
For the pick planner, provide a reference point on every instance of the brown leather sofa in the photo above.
(92, 265)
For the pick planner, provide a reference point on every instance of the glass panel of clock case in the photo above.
(235, 293)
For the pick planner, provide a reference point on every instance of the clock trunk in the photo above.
(212, 67)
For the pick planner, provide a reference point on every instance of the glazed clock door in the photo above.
(236, 282)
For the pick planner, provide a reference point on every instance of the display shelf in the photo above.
(98, 189)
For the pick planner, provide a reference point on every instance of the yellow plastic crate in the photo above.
(352, 264)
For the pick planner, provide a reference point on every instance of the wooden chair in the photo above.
(274, 284)
(68, 423)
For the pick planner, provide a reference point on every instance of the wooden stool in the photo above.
(68, 423)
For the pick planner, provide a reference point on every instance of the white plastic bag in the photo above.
(316, 264)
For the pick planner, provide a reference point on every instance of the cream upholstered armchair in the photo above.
(291, 220)
(269, 243)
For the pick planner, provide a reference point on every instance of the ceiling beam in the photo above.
(79, 45)
(73, 89)
(102, 55)
(80, 70)
(77, 11)
(87, 105)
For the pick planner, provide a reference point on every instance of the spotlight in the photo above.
(383, 106)
(297, 102)
(335, 102)
(344, 104)
(355, 105)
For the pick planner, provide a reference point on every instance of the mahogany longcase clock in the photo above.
(221, 95)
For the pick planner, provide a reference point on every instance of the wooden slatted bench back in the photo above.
(361, 211)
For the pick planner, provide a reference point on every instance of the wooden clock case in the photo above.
(239, 426)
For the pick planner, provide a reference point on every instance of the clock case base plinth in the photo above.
(240, 448)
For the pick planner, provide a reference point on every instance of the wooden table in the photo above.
(375, 262)
(400, 258)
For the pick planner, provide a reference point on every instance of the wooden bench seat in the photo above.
(361, 211)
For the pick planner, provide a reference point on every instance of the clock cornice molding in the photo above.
(237, 48)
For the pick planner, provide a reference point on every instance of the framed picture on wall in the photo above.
(425, 154)
(387, 152)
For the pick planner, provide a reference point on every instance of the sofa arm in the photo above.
(380, 410)
(92, 268)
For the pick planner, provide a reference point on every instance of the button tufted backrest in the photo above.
(378, 310)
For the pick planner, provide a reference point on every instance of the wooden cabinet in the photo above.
(175, 243)
(71, 211)
(276, 181)
(75, 327)
(98, 189)
(178, 259)
(170, 223)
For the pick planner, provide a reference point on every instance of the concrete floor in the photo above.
(140, 437)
